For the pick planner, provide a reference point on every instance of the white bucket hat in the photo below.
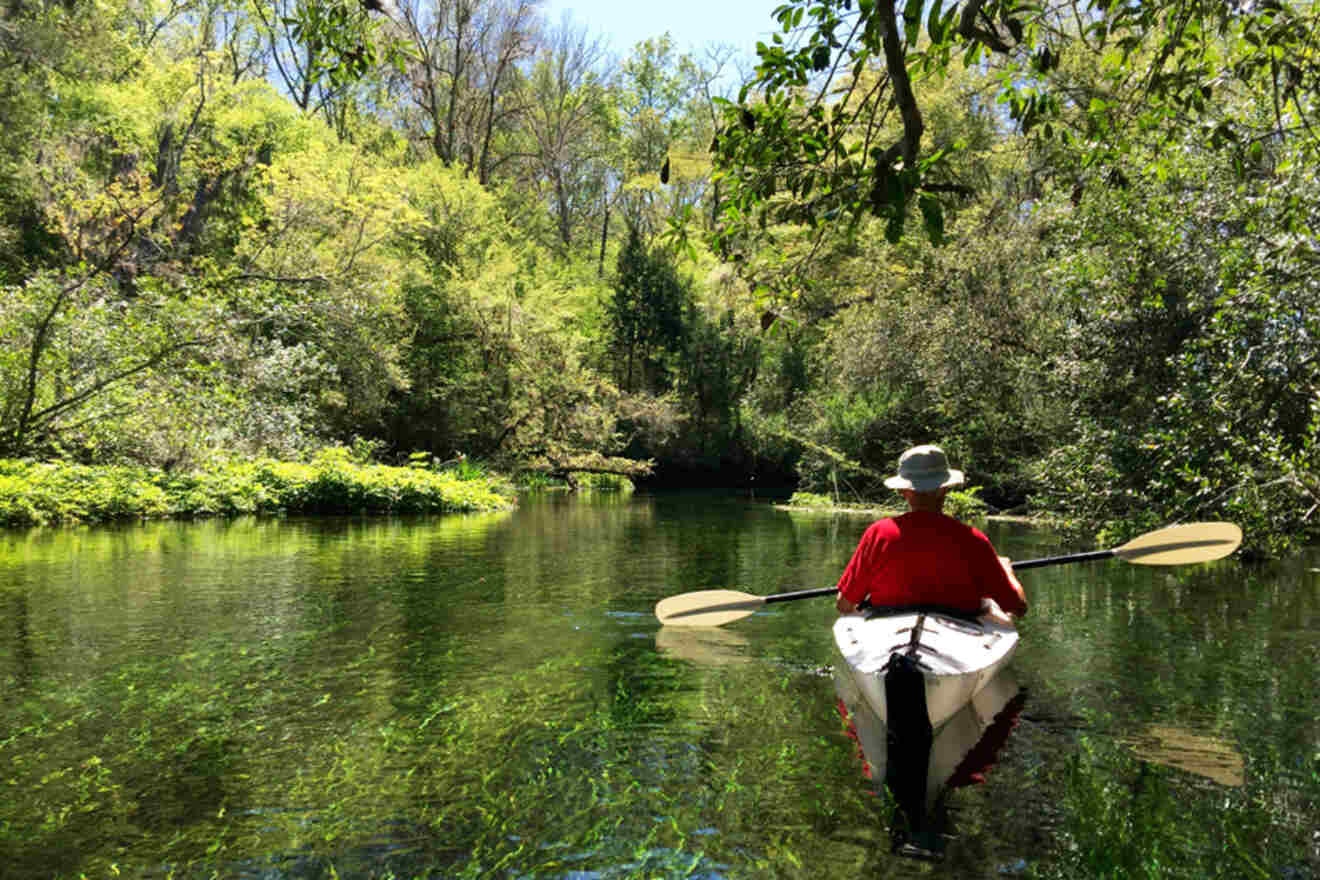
(924, 469)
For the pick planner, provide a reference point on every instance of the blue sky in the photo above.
(692, 23)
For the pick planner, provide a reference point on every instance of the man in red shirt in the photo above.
(924, 557)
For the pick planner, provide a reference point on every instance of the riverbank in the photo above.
(49, 493)
(960, 503)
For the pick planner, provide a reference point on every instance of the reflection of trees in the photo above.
(1207, 640)
(1213, 652)
(24, 656)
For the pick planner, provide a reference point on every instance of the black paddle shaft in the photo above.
(801, 594)
(1017, 566)
(1060, 560)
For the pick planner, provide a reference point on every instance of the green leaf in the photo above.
(911, 24)
(934, 25)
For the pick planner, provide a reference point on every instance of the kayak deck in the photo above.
(956, 656)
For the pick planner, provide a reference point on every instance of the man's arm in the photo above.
(854, 584)
(1014, 599)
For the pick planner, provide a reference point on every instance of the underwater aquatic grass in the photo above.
(367, 698)
(1127, 818)
(228, 756)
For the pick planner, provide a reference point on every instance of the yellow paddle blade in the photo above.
(1179, 545)
(707, 608)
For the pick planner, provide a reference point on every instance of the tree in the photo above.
(498, 363)
(1193, 366)
(73, 347)
(464, 77)
(646, 317)
(203, 232)
(571, 128)
(315, 49)
(44, 49)
(655, 90)
(810, 138)
(719, 364)
(565, 418)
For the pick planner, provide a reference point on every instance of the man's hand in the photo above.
(844, 606)
(991, 611)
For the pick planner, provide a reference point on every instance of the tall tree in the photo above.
(655, 89)
(463, 78)
(572, 129)
(646, 316)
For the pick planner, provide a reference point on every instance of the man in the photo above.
(924, 557)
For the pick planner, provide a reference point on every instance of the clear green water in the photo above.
(490, 696)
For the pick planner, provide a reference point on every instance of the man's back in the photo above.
(927, 558)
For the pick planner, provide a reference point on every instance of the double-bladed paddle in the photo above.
(1174, 545)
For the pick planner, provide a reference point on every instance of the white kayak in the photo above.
(918, 770)
(926, 772)
(882, 650)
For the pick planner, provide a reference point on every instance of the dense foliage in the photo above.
(332, 482)
(1074, 244)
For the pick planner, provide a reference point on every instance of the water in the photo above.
(490, 696)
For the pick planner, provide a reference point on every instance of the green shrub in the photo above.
(41, 493)
(536, 480)
(810, 499)
(604, 482)
(965, 504)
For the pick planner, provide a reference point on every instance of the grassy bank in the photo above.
(961, 504)
(45, 493)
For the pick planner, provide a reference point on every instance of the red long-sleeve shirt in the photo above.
(924, 558)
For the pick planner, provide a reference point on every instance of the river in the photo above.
(491, 696)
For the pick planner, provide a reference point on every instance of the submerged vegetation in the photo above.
(367, 697)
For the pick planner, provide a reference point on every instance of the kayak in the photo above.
(961, 754)
(919, 773)
(916, 667)
(923, 689)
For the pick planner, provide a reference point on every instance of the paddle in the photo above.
(1174, 545)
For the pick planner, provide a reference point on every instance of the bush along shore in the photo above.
(331, 482)
(964, 504)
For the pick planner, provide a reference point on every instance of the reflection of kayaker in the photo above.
(919, 772)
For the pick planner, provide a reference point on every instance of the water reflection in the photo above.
(1196, 753)
(24, 657)
(703, 645)
(920, 772)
